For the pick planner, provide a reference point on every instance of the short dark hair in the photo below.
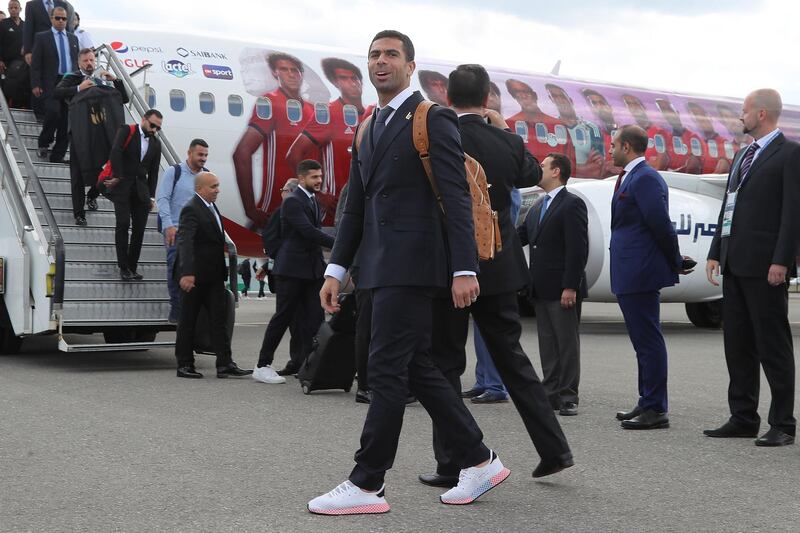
(408, 46)
(493, 88)
(330, 64)
(150, 112)
(510, 83)
(307, 165)
(562, 163)
(635, 136)
(85, 51)
(468, 86)
(274, 57)
(198, 142)
(53, 12)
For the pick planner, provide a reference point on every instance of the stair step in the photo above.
(74, 290)
(113, 311)
(108, 271)
(29, 128)
(107, 252)
(93, 218)
(46, 170)
(33, 155)
(64, 201)
(99, 235)
(23, 115)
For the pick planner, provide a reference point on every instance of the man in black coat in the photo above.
(201, 272)
(55, 53)
(132, 187)
(754, 246)
(407, 253)
(95, 126)
(507, 164)
(11, 62)
(556, 229)
(298, 272)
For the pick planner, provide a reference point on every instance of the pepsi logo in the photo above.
(218, 72)
(119, 47)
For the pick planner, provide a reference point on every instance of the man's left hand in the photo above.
(569, 298)
(465, 291)
(106, 75)
(187, 283)
(777, 275)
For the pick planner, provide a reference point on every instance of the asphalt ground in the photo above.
(115, 442)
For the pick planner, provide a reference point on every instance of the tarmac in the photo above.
(115, 442)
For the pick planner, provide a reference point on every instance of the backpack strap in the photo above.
(130, 136)
(177, 176)
(422, 145)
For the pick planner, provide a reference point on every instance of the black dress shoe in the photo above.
(648, 419)
(125, 274)
(730, 430)
(775, 437)
(409, 399)
(363, 396)
(232, 370)
(91, 203)
(491, 397)
(136, 275)
(188, 372)
(551, 466)
(288, 370)
(42, 152)
(471, 393)
(627, 415)
(568, 409)
(80, 220)
(438, 480)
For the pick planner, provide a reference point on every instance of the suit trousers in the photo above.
(363, 333)
(642, 318)
(399, 361)
(497, 318)
(78, 186)
(213, 296)
(560, 349)
(130, 213)
(756, 331)
(55, 125)
(173, 287)
(297, 305)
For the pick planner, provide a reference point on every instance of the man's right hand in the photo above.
(28, 58)
(329, 295)
(712, 271)
(2, 67)
(37, 91)
(495, 118)
(169, 235)
(187, 283)
(85, 84)
(111, 183)
(258, 216)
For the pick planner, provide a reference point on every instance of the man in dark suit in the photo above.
(201, 272)
(37, 19)
(298, 272)
(556, 229)
(132, 187)
(55, 53)
(754, 246)
(644, 259)
(507, 164)
(407, 252)
(86, 79)
(11, 62)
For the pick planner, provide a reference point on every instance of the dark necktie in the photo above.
(545, 203)
(619, 181)
(62, 54)
(314, 207)
(49, 6)
(380, 124)
(747, 162)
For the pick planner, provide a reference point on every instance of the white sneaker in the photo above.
(266, 374)
(475, 481)
(349, 499)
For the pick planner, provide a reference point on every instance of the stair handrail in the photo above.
(140, 104)
(56, 242)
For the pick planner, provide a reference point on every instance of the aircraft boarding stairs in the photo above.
(95, 299)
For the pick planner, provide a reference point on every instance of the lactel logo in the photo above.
(183, 52)
(119, 47)
(179, 69)
(218, 72)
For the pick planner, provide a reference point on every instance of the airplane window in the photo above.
(150, 96)
(264, 108)
(177, 100)
(207, 103)
(235, 105)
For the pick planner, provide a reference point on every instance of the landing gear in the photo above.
(705, 314)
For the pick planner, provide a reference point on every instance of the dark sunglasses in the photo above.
(153, 126)
(61, 19)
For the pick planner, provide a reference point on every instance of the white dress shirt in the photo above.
(145, 143)
(630, 166)
(213, 210)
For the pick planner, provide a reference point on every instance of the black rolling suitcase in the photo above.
(202, 330)
(331, 362)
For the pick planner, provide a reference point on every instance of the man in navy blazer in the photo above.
(298, 272)
(407, 251)
(644, 259)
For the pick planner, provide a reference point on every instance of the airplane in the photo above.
(263, 107)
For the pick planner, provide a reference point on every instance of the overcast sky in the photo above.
(717, 47)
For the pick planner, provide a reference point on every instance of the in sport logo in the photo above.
(217, 72)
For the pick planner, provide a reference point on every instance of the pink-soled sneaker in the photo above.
(475, 481)
(349, 499)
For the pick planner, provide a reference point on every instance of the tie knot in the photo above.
(384, 113)
(754, 147)
(621, 174)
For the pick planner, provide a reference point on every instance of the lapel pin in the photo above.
(408, 117)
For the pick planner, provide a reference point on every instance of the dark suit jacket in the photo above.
(201, 244)
(766, 225)
(141, 175)
(507, 164)
(559, 246)
(644, 246)
(68, 86)
(37, 19)
(300, 254)
(45, 61)
(391, 217)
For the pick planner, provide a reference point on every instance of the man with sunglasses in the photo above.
(135, 156)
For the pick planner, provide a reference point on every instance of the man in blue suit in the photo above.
(644, 259)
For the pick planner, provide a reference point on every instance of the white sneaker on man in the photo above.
(349, 499)
(475, 481)
(266, 374)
